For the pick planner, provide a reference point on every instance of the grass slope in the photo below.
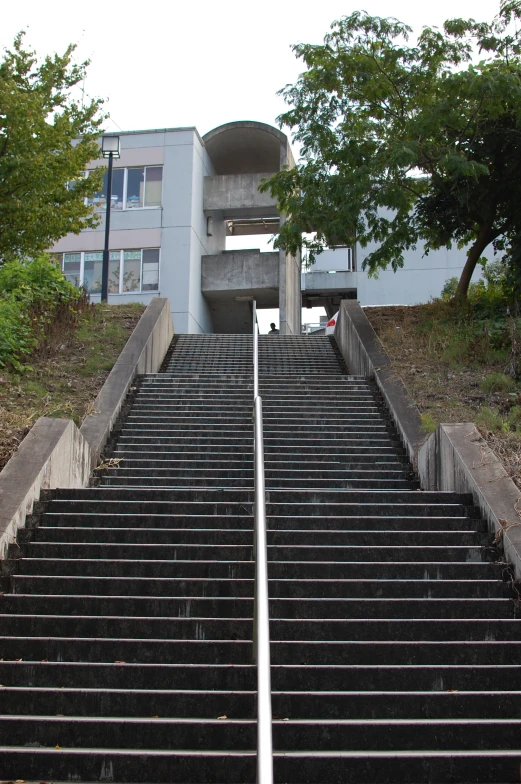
(457, 369)
(64, 378)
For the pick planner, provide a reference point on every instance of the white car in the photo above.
(331, 324)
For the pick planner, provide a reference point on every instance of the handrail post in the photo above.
(261, 617)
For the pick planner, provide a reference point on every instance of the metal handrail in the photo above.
(261, 618)
(255, 354)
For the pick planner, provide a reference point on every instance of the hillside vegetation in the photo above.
(63, 376)
(461, 364)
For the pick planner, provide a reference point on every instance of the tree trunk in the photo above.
(484, 238)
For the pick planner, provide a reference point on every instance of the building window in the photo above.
(129, 270)
(150, 277)
(92, 267)
(132, 270)
(137, 188)
(71, 265)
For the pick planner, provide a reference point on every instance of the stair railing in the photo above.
(261, 618)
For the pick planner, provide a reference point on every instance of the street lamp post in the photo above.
(110, 150)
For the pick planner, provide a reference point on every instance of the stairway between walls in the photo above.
(125, 633)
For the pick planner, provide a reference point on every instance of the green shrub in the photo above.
(37, 306)
(492, 420)
(514, 418)
(16, 334)
(36, 280)
(497, 382)
(429, 424)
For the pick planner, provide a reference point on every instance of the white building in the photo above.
(176, 197)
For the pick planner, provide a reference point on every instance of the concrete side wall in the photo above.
(53, 454)
(237, 192)
(365, 356)
(143, 353)
(458, 459)
(239, 271)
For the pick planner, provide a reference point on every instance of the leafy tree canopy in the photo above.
(406, 144)
(46, 141)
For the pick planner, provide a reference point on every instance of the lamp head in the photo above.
(110, 146)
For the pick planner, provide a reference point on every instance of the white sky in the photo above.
(168, 64)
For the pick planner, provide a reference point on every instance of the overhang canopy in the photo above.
(246, 147)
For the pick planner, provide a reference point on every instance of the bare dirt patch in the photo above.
(65, 378)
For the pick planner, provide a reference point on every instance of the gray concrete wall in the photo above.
(238, 195)
(241, 272)
(200, 243)
(143, 353)
(456, 458)
(365, 356)
(53, 454)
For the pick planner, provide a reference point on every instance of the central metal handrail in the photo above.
(261, 617)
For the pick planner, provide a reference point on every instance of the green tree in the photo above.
(46, 140)
(403, 144)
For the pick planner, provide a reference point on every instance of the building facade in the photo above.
(176, 198)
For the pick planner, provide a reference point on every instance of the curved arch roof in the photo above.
(246, 147)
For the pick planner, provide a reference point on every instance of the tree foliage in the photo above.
(46, 140)
(406, 144)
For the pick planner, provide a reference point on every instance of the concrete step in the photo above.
(223, 628)
(298, 608)
(128, 765)
(116, 480)
(293, 523)
(244, 536)
(452, 690)
(122, 650)
(236, 733)
(128, 630)
(419, 500)
(278, 570)
(291, 588)
(136, 628)
(161, 680)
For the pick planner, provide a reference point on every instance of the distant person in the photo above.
(273, 329)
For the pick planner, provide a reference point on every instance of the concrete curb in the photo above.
(365, 356)
(457, 458)
(55, 453)
(143, 353)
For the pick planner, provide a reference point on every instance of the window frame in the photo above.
(125, 208)
(120, 292)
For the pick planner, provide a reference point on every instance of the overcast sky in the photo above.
(169, 64)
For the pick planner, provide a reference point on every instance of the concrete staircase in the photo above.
(126, 635)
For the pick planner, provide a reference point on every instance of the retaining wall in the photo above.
(55, 453)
